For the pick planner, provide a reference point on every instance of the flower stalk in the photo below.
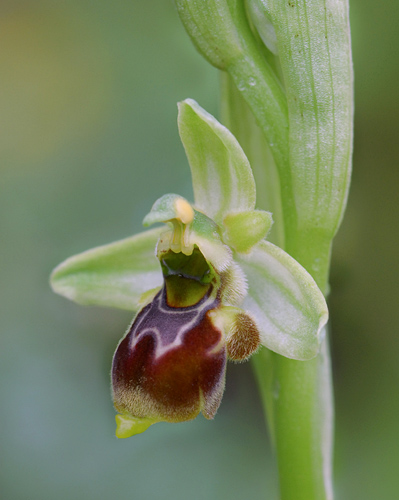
(297, 396)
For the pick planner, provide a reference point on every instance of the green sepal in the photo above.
(285, 301)
(113, 275)
(243, 230)
(221, 174)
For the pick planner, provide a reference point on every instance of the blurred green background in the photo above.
(88, 94)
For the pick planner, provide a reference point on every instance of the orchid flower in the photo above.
(206, 287)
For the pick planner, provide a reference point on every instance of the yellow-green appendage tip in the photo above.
(129, 426)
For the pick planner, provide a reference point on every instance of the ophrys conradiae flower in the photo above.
(207, 286)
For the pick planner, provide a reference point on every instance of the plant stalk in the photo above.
(297, 395)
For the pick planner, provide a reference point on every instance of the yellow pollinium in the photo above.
(127, 426)
(184, 211)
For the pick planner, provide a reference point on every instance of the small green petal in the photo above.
(114, 275)
(243, 230)
(285, 301)
(127, 426)
(222, 177)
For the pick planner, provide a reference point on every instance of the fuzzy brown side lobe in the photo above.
(244, 340)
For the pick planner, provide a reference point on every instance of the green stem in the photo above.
(299, 401)
(297, 395)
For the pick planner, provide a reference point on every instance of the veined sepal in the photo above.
(221, 173)
(113, 275)
(285, 301)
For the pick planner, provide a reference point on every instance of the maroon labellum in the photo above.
(171, 364)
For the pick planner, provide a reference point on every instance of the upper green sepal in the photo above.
(221, 173)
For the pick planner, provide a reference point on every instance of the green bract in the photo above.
(210, 257)
(313, 43)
